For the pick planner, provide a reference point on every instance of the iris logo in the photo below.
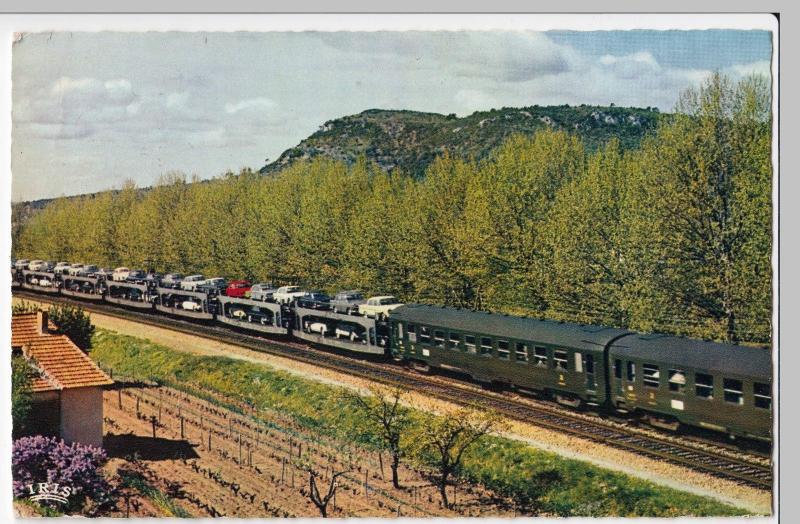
(46, 491)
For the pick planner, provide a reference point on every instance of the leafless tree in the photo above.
(319, 500)
(385, 413)
(447, 437)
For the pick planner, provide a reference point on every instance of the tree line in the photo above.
(674, 236)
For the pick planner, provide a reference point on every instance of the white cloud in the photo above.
(252, 104)
(72, 107)
(511, 56)
(177, 100)
(762, 67)
(66, 84)
(471, 100)
(58, 131)
(634, 65)
(120, 90)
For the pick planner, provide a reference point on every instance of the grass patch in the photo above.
(43, 511)
(134, 480)
(546, 482)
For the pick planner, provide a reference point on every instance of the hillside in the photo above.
(410, 140)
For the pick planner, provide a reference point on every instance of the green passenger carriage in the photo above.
(672, 379)
(560, 359)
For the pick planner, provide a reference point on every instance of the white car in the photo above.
(74, 269)
(262, 291)
(85, 271)
(287, 294)
(379, 307)
(37, 265)
(239, 314)
(120, 274)
(318, 327)
(191, 305)
(34, 281)
(191, 282)
(347, 331)
(22, 263)
(45, 282)
(61, 268)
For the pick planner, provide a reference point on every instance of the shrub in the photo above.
(74, 322)
(21, 397)
(47, 459)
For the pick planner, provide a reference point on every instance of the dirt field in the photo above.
(260, 470)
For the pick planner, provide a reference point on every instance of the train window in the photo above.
(540, 356)
(469, 341)
(522, 352)
(411, 329)
(424, 335)
(454, 341)
(486, 346)
(704, 385)
(560, 359)
(733, 391)
(677, 380)
(438, 339)
(762, 395)
(631, 371)
(618, 369)
(651, 376)
(502, 350)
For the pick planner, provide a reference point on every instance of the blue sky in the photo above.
(91, 110)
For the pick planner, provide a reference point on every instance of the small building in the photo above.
(68, 390)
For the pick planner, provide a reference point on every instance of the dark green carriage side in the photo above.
(566, 360)
(717, 386)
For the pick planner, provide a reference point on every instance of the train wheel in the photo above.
(421, 367)
(662, 422)
(568, 401)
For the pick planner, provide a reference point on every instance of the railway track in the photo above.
(718, 461)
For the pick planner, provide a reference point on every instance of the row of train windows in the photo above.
(484, 346)
(732, 389)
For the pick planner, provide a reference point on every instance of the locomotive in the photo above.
(665, 380)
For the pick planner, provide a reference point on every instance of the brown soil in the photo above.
(259, 469)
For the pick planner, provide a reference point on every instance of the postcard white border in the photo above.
(9, 24)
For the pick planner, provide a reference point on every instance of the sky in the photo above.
(92, 110)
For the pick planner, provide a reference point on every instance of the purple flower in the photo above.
(47, 459)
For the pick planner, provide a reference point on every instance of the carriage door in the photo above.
(618, 377)
(588, 365)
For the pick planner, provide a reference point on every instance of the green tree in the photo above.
(589, 278)
(73, 322)
(508, 203)
(701, 227)
(22, 376)
(442, 272)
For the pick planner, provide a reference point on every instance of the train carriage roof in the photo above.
(575, 336)
(720, 358)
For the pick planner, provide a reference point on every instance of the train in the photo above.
(668, 381)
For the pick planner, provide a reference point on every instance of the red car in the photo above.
(238, 288)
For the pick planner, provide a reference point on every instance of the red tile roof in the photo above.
(62, 364)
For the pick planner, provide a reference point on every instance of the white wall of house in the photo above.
(82, 415)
